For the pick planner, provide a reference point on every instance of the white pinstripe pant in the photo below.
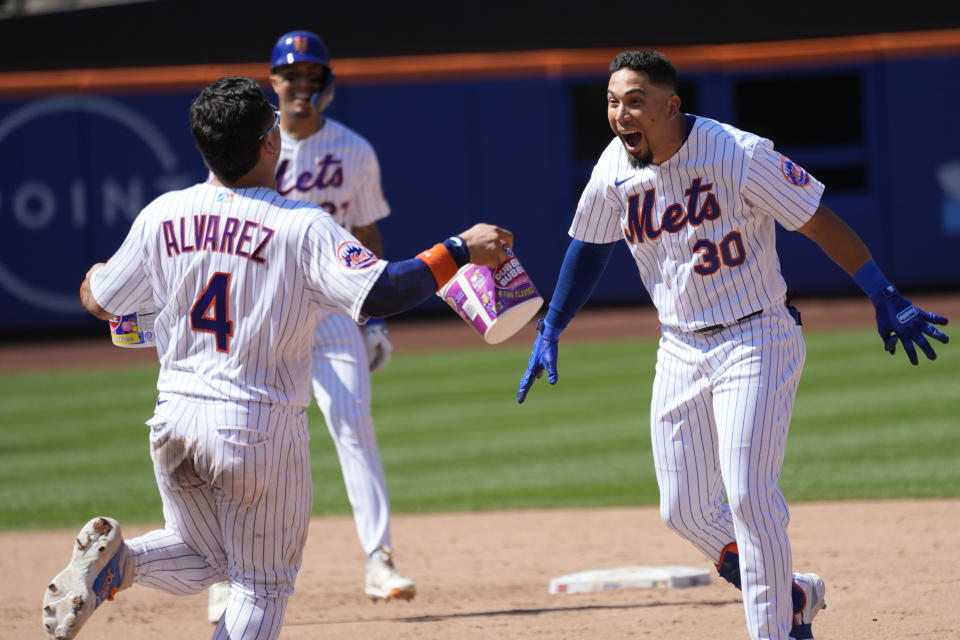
(719, 419)
(341, 384)
(237, 494)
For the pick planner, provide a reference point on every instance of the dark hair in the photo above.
(227, 120)
(653, 63)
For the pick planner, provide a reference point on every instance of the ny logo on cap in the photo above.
(300, 44)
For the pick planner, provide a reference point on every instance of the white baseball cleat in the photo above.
(383, 581)
(93, 576)
(813, 601)
(217, 597)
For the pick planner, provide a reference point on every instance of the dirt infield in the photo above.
(890, 566)
(890, 569)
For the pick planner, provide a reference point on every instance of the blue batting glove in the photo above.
(899, 319)
(543, 357)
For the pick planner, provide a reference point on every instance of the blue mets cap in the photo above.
(299, 46)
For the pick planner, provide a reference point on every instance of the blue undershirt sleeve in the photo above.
(405, 284)
(402, 286)
(582, 267)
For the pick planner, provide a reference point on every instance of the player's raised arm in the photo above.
(897, 317)
(407, 283)
(837, 239)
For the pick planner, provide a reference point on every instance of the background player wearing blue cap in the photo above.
(326, 163)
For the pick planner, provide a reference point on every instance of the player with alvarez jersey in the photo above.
(236, 274)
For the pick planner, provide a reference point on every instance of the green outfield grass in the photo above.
(452, 437)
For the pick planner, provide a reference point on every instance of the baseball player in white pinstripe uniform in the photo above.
(324, 162)
(696, 201)
(236, 274)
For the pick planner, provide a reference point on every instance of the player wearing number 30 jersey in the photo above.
(701, 225)
(697, 202)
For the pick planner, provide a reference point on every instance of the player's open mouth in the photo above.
(632, 139)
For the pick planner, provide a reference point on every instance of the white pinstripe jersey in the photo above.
(337, 169)
(237, 278)
(700, 226)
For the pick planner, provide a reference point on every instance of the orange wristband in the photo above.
(441, 263)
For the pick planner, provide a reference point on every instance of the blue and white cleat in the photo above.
(92, 577)
(806, 604)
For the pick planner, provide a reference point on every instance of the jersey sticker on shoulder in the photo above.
(794, 173)
(354, 255)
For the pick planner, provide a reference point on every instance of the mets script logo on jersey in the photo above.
(354, 255)
(329, 173)
(793, 172)
(640, 223)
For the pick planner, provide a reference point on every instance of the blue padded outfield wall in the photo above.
(883, 135)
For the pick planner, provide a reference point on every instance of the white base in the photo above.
(629, 577)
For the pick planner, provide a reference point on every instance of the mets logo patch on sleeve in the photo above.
(793, 172)
(354, 255)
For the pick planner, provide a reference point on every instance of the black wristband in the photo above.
(458, 250)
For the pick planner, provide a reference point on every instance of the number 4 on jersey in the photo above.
(210, 313)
